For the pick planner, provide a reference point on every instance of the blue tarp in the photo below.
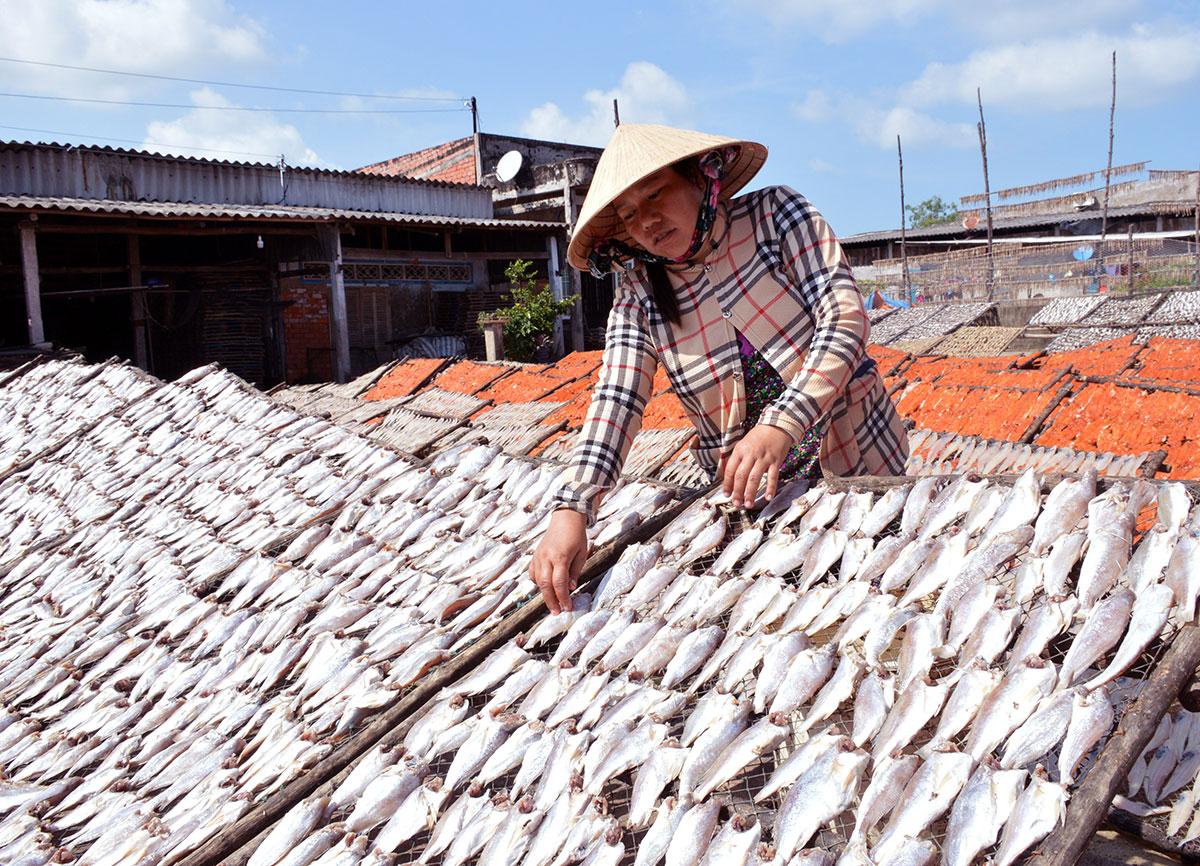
(891, 302)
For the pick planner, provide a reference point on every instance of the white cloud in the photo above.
(1067, 72)
(823, 166)
(815, 107)
(879, 126)
(173, 37)
(1027, 19)
(842, 19)
(916, 129)
(645, 94)
(229, 134)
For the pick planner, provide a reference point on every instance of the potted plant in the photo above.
(528, 323)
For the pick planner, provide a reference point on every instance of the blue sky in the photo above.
(825, 86)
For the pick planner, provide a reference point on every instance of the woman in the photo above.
(736, 298)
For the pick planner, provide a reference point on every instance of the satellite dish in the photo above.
(508, 166)
(1083, 253)
(970, 221)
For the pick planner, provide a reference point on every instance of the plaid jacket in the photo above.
(780, 277)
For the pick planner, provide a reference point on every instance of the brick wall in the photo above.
(453, 162)
(306, 330)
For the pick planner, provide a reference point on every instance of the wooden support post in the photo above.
(569, 213)
(33, 285)
(1112, 111)
(338, 321)
(1196, 231)
(137, 303)
(905, 285)
(987, 192)
(1129, 259)
(1109, 774)
(556, 289)
(1035, 426)
(234, 845)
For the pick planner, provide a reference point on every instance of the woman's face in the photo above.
(660, 212)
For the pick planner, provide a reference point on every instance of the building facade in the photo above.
(279, 273)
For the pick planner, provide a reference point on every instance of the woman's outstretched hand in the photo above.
(760, 452)
(559, 558)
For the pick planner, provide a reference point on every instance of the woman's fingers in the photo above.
(729, 468)
(761, 467)
(739, 468)
(772, 480)
(540, 575)
(560, 583)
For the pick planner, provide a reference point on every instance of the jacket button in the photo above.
(726, 314)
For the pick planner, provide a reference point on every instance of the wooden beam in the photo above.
(234, 845)
(141, 354)
(572, 274)
(337, 307)
(33, 285)
(115, 226)
(556, 288)
(1108, 775)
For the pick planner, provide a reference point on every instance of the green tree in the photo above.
(931, 212)
(532, 312)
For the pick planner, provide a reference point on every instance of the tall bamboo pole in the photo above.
(987, 196)
(1196, 229)
(1129, 257)
(905, 282)
(1112, 112)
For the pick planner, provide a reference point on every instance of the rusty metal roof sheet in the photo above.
(108, 174)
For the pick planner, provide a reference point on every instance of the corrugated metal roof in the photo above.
(955, 229)
(256, 212)
(122, 175)
(150, 154)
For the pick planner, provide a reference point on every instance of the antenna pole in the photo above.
(1112, 111)
(987, 193)
(905, 282)
(616, 114)
(474, 116)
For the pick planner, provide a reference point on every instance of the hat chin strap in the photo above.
(608, 255)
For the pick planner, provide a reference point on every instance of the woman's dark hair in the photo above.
(664, 294)
(660, 284)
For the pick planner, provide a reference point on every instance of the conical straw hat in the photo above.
(636, 151)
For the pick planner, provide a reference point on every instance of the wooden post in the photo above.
(137, 303)
(987, 194)
(235, 844)
(1110, 771)
(1129, 259)
(575, 289)
(1112, 111)
(905, 283)
(337, 307)
(556, 289)
(1196, 230)
(33, 285)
